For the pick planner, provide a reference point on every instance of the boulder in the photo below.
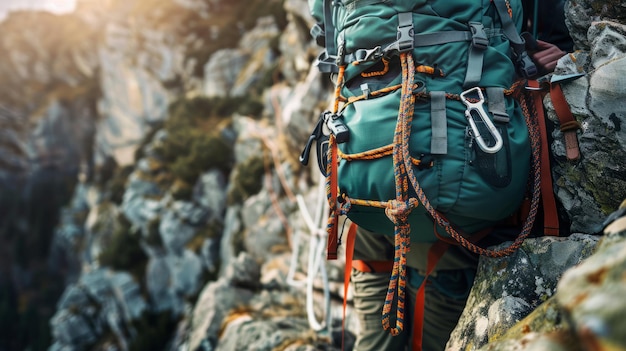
(507, 289)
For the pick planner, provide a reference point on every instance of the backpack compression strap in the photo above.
(568, 124)
(523, 63)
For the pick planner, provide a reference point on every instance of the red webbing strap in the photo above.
(551, 218)
(346, 277)
(373, 266)
(568, 124)
(434, 254)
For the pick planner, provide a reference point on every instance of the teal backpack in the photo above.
(428, 140)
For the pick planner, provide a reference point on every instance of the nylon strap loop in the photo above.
(439, 123)
(496, 104)
(566, 120)
(350, 240)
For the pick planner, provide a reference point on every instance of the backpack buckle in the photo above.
(525, 66)
(476, 109)
(479, 36)
(365, 55)
(326, 63)
(405, 36)
(336, 126)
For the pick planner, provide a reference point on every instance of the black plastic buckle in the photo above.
(326, 63)
(337, 127)
(525, 66)
(426, 162)
(479, 36)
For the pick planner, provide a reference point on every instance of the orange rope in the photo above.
(386, 150)
(377, 73)
(332, 226)
(375, 93)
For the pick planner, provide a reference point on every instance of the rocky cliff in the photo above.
(152, 198)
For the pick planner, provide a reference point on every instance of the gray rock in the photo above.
(244, 271)
(175, 232)
(210, 253)
(215, 302)
(591, 294)
(101, 301)
(72, 330)
(265, 240)
(262, 335)
(187, 270)
(591, 188)
(128, 296)
(139, 205)
(158, 284)
(131, 81)
(210, 192)
(521, 282)
(230, 237)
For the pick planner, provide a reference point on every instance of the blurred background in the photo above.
(151, 196)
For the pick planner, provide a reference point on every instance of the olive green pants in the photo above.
(446, 293)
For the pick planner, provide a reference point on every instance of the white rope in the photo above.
(315, 260)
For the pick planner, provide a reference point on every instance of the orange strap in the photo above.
(346, 277)
(373, 266)
(551, 218)
(434, 254)
(568, 124)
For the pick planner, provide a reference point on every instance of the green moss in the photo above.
(544, 319)
(153, 237)
(203, 152)
(248, 180)
(147, 138)
(124, 252)
(117, 184)
(181, 190)
(212, 230)
(194, 142)
(153, 331)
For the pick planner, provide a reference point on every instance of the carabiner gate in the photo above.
(477, 108)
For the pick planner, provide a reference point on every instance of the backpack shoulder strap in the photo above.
(523, 63)
(326, 61)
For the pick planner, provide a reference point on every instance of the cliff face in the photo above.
(152, 198)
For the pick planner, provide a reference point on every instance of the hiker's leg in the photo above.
(446, 295)
(370, 284)
(446, 291)
(370, 290)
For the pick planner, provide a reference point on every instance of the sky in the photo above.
(56, 6)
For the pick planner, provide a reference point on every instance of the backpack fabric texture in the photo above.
(458, 48)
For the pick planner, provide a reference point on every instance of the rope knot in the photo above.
(398, 211)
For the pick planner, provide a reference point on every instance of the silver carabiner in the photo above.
(477, 107)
